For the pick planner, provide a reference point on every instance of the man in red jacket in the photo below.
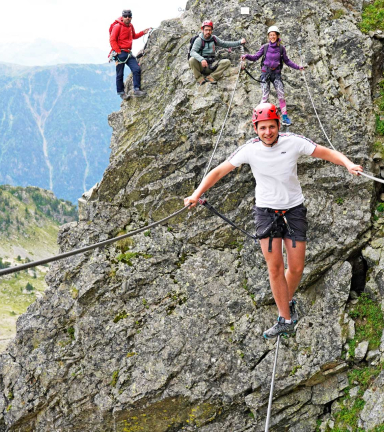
(121, 38)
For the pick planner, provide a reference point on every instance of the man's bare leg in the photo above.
(295, 259)
(277, 278)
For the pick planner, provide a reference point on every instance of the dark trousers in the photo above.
(135, 68)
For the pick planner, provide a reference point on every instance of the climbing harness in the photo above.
(272, 228)
(113, 57)
(272, 386)
(372, 177)
(87, 248)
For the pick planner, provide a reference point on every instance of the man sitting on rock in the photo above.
(203, 55)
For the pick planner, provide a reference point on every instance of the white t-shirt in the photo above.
(275, 169)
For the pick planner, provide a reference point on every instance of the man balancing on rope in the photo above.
(202, 55)
(279, 211)
(122, 34)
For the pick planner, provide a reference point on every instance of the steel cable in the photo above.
(86, 248)
(372, 177)
(225, 120)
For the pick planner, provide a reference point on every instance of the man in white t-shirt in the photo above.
(279, 211)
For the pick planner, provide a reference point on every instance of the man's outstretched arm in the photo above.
(212, 178)
(337, 158)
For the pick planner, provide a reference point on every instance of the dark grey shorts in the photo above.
(296, 217)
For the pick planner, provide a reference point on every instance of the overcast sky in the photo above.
(79, 23)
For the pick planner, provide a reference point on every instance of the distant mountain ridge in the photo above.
(47, 53)
(54, 126)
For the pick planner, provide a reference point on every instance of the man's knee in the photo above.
(135, 68)
(276, 270)
(296, 270)
(193, 63)
(225, 63)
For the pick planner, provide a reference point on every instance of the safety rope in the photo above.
(372, 177)
(212, 209)
(249, 74)
(203, 201)
(87, 248)
(225, 120)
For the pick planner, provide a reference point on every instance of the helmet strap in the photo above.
(274, 142)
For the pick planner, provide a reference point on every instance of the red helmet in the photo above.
(265, 111)
(207, 23)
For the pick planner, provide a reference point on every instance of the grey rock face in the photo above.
(361, 350)
(163, 332)
(373, 412)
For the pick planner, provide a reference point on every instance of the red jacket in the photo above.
(121, 36)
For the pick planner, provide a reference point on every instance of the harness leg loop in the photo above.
(270, 243)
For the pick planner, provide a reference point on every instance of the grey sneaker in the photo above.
(280, 328)
(139, 93)
(124, 96)
(293, 311)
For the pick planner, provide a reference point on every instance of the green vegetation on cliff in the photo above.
(373, 17)
(369, 323)
(29, 222)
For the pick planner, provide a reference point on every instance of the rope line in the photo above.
(212, 209)
(372, 177)
(225, 120)
(249, 74)
(87, 248)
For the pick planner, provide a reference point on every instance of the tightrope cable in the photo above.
(225, 120)
(272, 386)
(321, 124)
(87, 248)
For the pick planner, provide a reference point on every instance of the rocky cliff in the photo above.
(163, 332)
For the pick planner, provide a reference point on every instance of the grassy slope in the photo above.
(29, 223)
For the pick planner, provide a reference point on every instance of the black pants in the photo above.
(135, 68)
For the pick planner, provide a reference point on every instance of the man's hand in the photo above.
(243, 41)
(191, 200)
(204, 63)
(354, 169)
(147, 30)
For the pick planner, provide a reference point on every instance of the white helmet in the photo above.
(274, 29)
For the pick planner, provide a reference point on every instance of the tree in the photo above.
(29, 287)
